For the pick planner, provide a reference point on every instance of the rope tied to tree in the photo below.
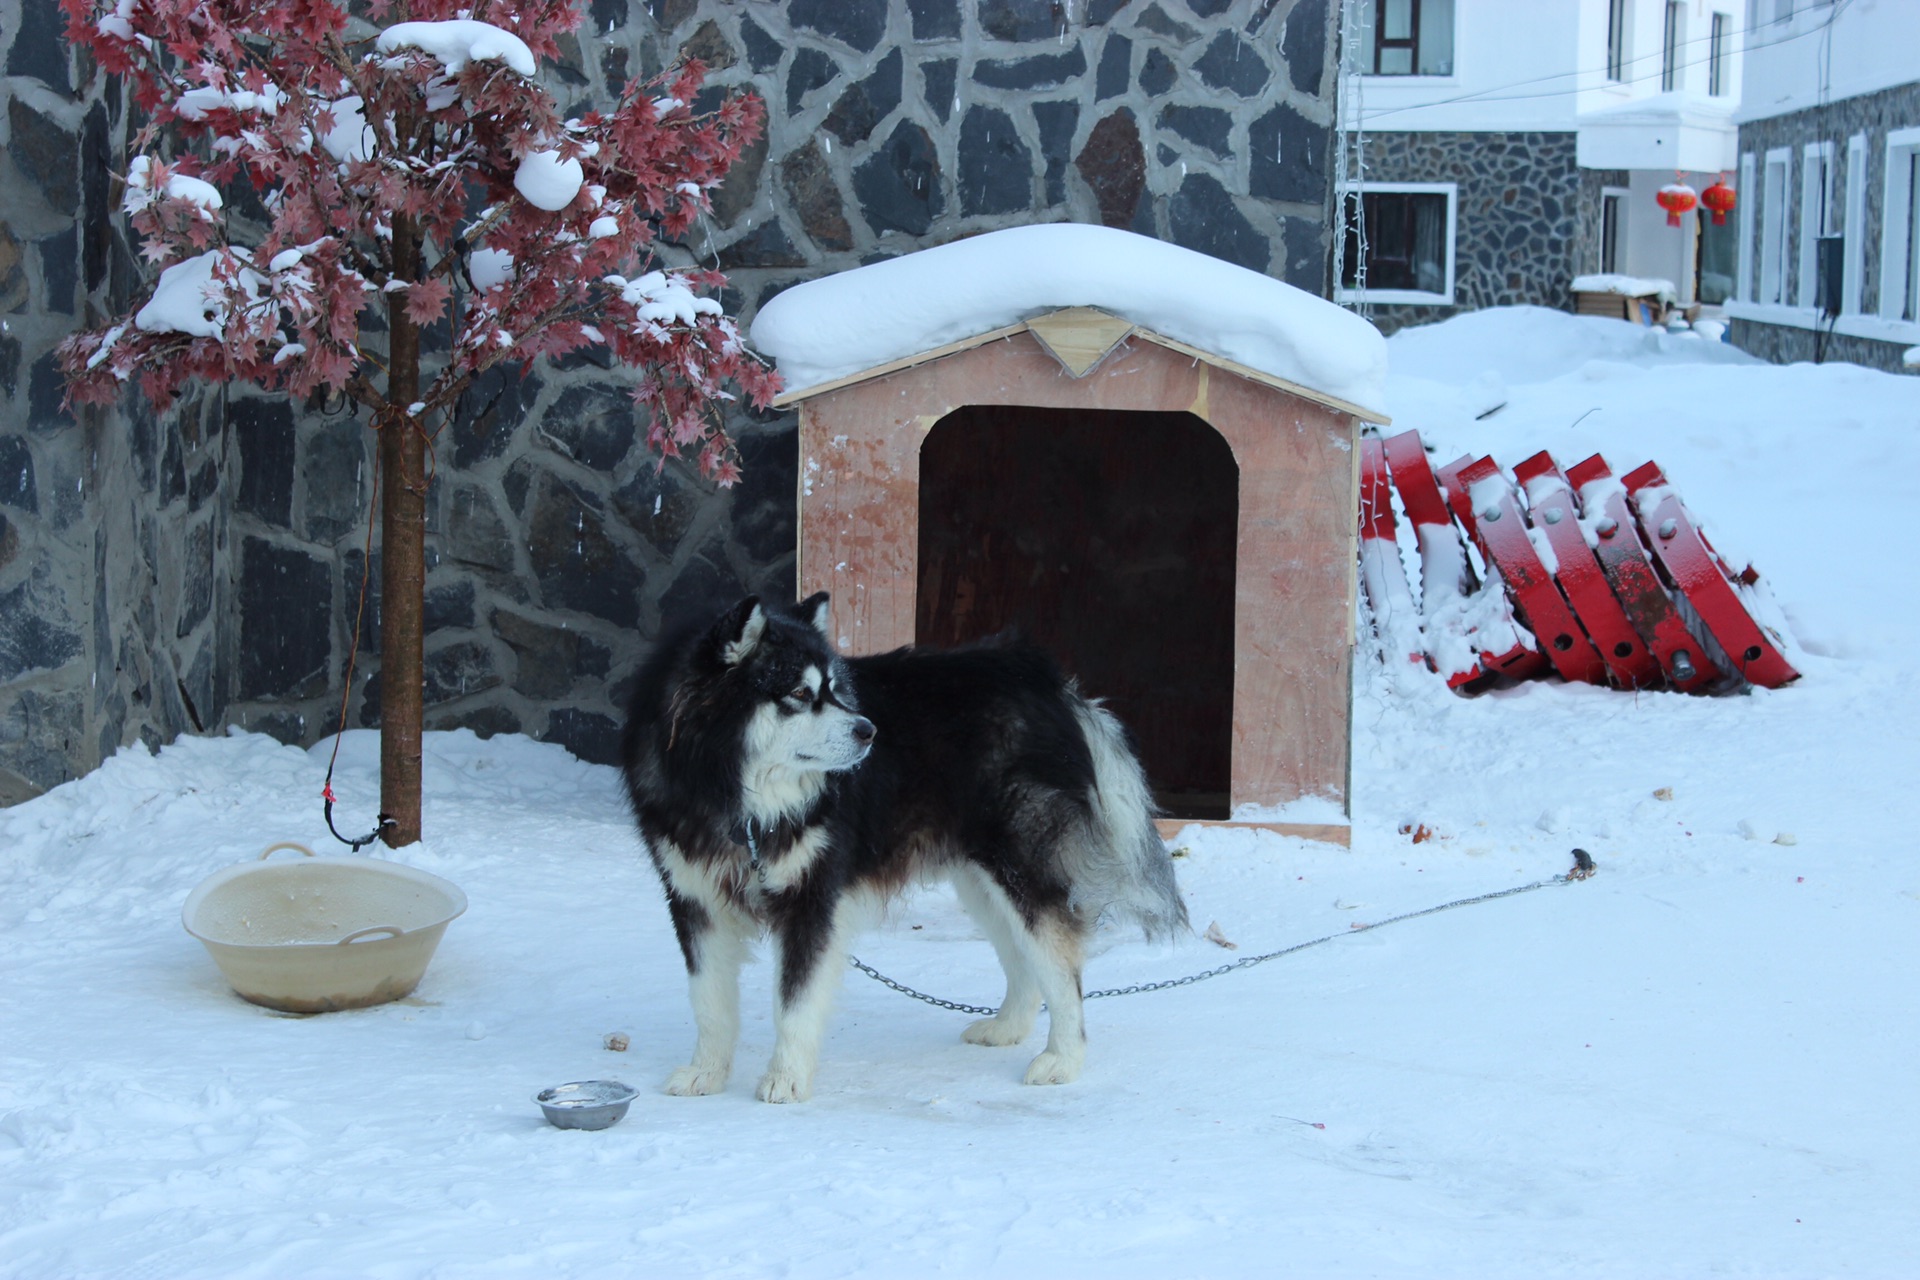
(384, 820)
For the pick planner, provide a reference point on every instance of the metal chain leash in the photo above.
(885, 981)
(1583, 869)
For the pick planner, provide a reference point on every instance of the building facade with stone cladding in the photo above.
(1525, 213)
(1870, 136)
(177, 573)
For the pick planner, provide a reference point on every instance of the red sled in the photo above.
(1381, 574)
(1485, 496)
(1699, 574)
(1635, 582)
(1504, 650)
(1554, 513)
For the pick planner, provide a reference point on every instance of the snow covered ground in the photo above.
(1701, 1061)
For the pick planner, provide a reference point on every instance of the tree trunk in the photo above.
(403, 568)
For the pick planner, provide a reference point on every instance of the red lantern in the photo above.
(1720, 199)
(1676, 198)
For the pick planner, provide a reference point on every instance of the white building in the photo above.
(1505, 147)
(1829, 157)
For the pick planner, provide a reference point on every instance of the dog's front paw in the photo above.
(1053, 1068)
(783, 1086)
(992, 1031)
(696, 1081)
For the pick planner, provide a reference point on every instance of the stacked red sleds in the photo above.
(1595, 578)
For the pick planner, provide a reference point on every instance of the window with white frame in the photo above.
(1900, 228)
(1715, 260)
(1411, 37)
(1743, 274)
(1854, 279)
(1910, 308)
(1719, 42)
(1673, 36)
(1617, 12)
(1399, 242)
(1773, 228)
(1816, 214)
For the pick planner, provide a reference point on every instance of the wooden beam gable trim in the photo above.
(1078, 330)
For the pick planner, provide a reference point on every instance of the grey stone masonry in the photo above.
(179, 572)
(1523, 205)
(115, 602)
(1872, 115)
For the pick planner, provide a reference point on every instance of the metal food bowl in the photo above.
(319, 934)
(585, 1104)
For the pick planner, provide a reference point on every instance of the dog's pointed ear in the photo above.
(814, 609)
(738, 632)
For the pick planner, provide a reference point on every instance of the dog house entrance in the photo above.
(1107, 536)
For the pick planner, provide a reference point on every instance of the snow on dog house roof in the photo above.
(881, 318)
(1137, 455)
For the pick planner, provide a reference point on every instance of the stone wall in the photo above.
(1872, 114)
(1789, 344)
(113, 603)
(1524, 206)
(175, 573)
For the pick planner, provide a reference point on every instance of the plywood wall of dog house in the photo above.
(1294, 580)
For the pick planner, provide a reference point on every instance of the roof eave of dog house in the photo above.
(1073, 334)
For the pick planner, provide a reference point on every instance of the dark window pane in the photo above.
(1616, 39)
(1406, 242)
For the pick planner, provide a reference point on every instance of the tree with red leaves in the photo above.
(408, 161)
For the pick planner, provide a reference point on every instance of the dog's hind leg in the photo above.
(715, 946)
(1056, 949)
(813, 941)
(997, 919)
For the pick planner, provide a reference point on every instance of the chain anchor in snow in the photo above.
(381, 822)
(1583, 869)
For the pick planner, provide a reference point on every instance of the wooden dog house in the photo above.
(1178, 528)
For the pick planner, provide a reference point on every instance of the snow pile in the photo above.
(350, 138)
(660, 298)
(1697, 1063)
(195, 104)
(489, 268)
(118, 23)
(547, 181)
(844, 324)
(1474, 355)
(189, 299)
(1461, 625)
(1628, 286)
(457, 42)
(141, 192)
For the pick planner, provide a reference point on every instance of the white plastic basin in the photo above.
(317, 934)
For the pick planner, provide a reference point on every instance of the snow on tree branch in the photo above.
(348, 135)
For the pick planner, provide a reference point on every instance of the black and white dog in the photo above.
(784, 788)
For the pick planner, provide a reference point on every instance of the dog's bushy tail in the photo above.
(1124, 869)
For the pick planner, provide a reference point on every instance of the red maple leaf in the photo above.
(427, 301)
